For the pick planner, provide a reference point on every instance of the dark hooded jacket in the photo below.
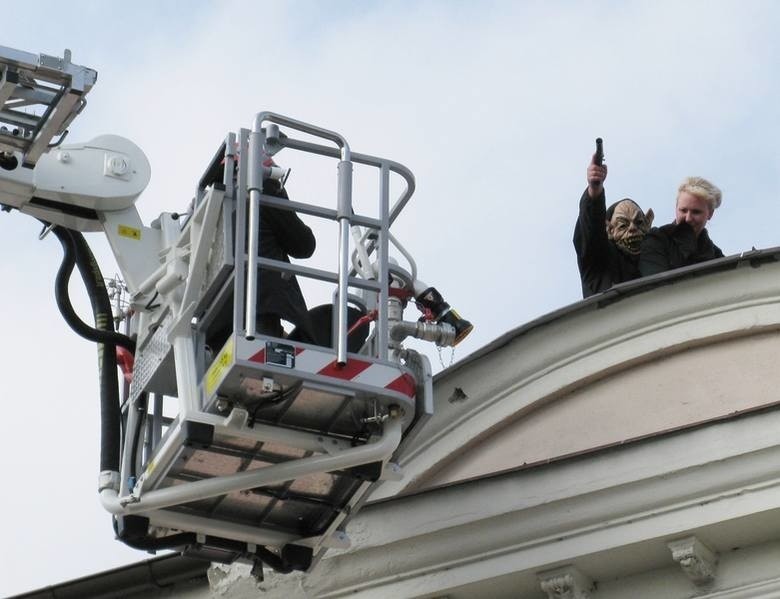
(601, 262)
(674, 246)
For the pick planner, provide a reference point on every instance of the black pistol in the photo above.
(599, 160)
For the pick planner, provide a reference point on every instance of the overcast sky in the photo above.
(493, 105)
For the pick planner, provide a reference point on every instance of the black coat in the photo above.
(674, 246)
(282, 234)
(601, 262)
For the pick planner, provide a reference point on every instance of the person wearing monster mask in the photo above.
(607, 240)
(685, 241)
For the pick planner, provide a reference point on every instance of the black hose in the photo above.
(110, 413)
(143, 398)
(76, 252)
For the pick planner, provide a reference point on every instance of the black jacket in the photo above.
(601, 262)
(674, 246)
(282, 234)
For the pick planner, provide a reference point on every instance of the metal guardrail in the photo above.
(344, 215)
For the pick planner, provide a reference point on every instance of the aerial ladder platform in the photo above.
(225, 442)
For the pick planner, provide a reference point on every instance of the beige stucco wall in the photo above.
(680, 349)
(672, 391)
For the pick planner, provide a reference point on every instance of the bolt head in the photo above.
(118, 166)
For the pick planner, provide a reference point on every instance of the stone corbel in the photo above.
(697, 561)
(566, 582)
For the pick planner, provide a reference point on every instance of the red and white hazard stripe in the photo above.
(355, 370)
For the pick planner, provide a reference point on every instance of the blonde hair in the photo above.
(701, 188)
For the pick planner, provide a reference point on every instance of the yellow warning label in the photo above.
(218, 367)
(131, 232)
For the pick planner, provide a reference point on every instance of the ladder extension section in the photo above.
(39, 97)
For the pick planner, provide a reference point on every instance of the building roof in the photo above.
(586, 447)
(754, 258)
(140, 578)
(612, 368)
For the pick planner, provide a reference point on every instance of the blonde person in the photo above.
(685, 241)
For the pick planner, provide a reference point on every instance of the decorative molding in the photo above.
(697, 561)
(661, 488)
(565, 583)
(764, 588)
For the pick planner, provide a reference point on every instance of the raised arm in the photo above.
(590, 234)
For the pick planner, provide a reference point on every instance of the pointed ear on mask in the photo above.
(610, 228)
(649, 216)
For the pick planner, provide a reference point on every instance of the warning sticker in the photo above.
(130, 232)
(218, 367)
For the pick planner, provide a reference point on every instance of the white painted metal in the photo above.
(376, 451)
(50, 90)
(79, 175)
(255, 188)
(207, 526)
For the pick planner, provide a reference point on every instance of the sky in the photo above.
(493, 105)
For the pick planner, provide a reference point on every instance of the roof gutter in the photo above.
(149, 575)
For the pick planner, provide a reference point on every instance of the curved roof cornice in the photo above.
(563, 352)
